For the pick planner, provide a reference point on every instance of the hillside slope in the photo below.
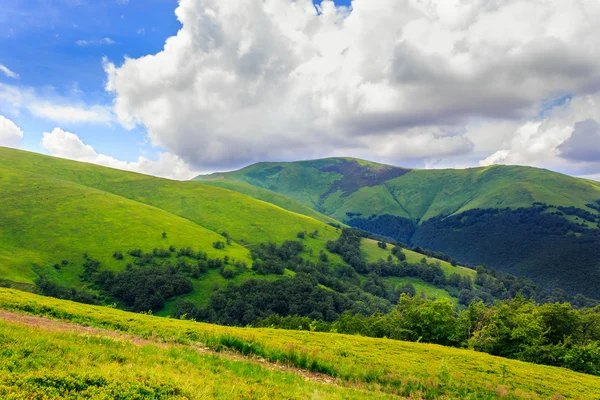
(61, 215)
(57, 210)
(46, 220)
(270, 197)
(522, 220)
(340, 186)
(244, 218)
(115, 349)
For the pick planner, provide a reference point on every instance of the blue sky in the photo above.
(57, 46)
(38, 40)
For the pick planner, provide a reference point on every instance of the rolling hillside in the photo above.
(60, 216)
(46, 220)
(339, 186)
(522, 220)
(56, 210)
(94, 351)
(270, 197)
(248, 221)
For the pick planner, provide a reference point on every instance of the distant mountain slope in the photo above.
(339, 186)
(270, 197)
(553, 238)
(315, 183)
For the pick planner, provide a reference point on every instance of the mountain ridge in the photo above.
(455, 211)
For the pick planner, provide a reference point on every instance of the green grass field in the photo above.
(57, 210)
(244, 218)
(47, 220)
(147, 354)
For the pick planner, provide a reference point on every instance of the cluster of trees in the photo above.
(578, 212)
(148, 282)
(553, 334)
(594, 206)
(348, 247)
(144, 288)
(268, 258)
(534, 242)
(254, 299)
(53, 289)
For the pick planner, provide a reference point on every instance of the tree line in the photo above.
(553, 334)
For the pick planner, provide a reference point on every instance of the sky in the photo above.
(177, 88)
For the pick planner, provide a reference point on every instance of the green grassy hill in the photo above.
(271, 197)
(248, 221)
(56, 210)
(522, 220)
(339, 186)
(96, 352)
(46, 220)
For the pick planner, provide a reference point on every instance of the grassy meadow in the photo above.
(364, 366)
(56, 210)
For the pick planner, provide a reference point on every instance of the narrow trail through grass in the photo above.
(46, 324)
(356, 367)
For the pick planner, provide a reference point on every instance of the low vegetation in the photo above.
(368, 367)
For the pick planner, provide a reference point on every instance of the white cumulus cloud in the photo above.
(10, 133)
(65, 144)
(395, 79)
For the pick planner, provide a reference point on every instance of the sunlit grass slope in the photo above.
(78, 366)
(270, 197)
(444, 192)
(369, 366)
(45, 221)
(373, 253)
(247, 220)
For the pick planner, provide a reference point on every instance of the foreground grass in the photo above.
(73, 365)
(380, 365)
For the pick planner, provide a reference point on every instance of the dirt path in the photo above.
(52, 325)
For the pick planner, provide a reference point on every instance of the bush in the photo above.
(228, 272)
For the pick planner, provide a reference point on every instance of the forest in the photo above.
(539, 243)
(554, 246)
